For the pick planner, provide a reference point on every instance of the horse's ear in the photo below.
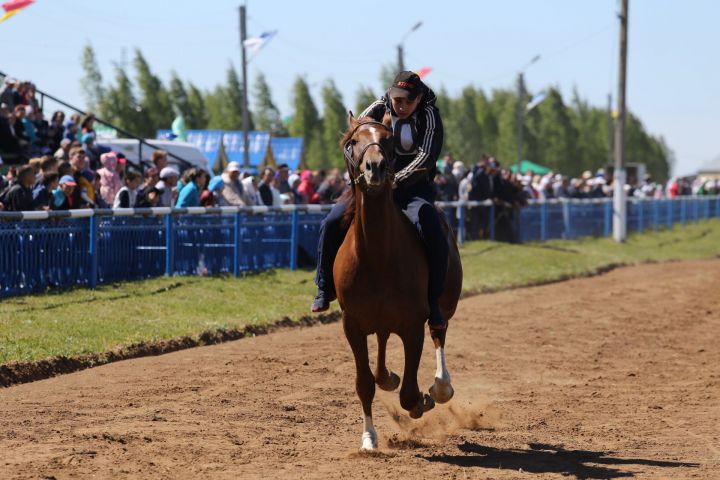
(351, 120)
(387, 120)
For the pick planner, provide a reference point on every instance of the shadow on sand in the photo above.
(541, 458)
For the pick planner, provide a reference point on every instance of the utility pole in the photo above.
(611, 130)
(245, 113)
(619, 176)
(520, 119)
(401, 60)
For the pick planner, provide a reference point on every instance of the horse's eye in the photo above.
(353, 142)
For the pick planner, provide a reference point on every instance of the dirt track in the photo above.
(609, 377)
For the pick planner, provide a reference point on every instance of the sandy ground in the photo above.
(609, 377)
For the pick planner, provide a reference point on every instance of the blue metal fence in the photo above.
(41, 250)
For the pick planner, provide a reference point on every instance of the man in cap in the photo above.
(168, 181)
(233, 191)
(418, 137)
(63, 195)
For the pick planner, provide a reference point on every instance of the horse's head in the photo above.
(367, 146)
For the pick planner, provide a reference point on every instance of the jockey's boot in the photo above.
(436, 321)
(322, 301)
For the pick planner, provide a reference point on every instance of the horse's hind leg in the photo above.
(384, 378)
(364, 380)
(410, 397)
(441, 391)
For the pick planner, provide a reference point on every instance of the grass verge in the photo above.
(78, 322)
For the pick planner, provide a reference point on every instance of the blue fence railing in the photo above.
(43, 250)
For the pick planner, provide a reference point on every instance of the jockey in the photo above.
(418, 137)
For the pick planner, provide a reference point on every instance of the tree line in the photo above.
(566, 136)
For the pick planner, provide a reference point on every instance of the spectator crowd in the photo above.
(59, 164)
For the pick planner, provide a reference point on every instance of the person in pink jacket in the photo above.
(110, 182)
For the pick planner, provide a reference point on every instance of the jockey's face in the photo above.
(404, 107)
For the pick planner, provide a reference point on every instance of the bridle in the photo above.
(350, 162)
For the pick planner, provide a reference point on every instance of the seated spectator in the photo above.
(43, 193)
(87, 125)
(283, 174)
(10, 146)
(8, 93)
(71, 130)
(190, 194)
(63, 151)
(151, 178)
(56, 130)
(233, 191)
(168, 181)
(99, 200)
(213, 196)
(19, 127)
(126, 197)
(19, 197)
(110, 182)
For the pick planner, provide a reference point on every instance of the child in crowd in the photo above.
(126, 196)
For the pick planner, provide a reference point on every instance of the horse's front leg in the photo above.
(410, 397)
(441, 391)
(384, 378)
(364, 380)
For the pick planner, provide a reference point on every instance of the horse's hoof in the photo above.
(391, 382)
(425, 404)
(441, 392)
(369, 442)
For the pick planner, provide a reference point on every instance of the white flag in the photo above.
(536, 100)
(254, 44)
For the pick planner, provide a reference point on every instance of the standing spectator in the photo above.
(19, 198)
(92, 150)
(307, 188)
(126, 197)
(213, 196)
(110, 182)
(159, 159)
(168, 181)
(43, 194)
(250, 193)
(331, 189)
(190, 194)
(283, 174)
(233, 191)
(264, 189)
(63, 195)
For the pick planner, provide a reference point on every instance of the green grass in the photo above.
(79, 321)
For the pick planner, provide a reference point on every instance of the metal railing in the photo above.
(44, 250)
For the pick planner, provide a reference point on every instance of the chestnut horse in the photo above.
(381, 278)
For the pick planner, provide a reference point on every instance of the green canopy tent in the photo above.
(526, 165)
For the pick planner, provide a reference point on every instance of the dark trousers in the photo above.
(423, 215)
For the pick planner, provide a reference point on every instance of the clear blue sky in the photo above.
(673, 74)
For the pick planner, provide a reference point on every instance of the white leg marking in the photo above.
(441, 372)
(369, 436)
(441, 391)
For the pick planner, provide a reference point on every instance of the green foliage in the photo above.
(197, 117)
(266, 115)
(119, 106)
(463, 135)
(91, 82)
(225, 104)
(334, 123)
(306, 123)
(363, 99)
(154, 99)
